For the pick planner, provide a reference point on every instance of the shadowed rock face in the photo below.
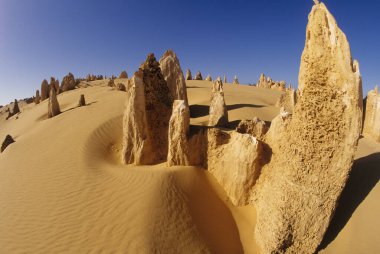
(188, 75)
(297, 192)
(68, 82)
(16, 108)
(178, 135)
(44, 90)
(7, 141)
(82, 101)
(120, 87)
(372, 115)
(123, 74)
(198, 76)
(37, 99)
(53, 105)
(147, 114)
(172, 73)
(218, 108)
(255, 127)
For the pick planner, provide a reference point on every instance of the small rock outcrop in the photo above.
(236, 81)
(68, 82)
(371, 127)
(198, 76)
(179, 124)
(111, 83)
(82, 101)
(44, 90)
(208, 78)
(297, 192)
(120, 87)
(172, 72)
(16, 108)
(53, 105)
(37, 99)
(267, 82)
(256, 127)
(234, 159)
(218, 110)
(7, 141)
(147, 114)
(188, 75)
(123, 74)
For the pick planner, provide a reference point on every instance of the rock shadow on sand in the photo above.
(364, 176)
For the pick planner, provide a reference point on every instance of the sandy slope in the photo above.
(63, 190)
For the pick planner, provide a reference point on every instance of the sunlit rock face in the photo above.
(297, 192)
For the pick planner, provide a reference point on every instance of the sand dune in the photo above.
(64, 190)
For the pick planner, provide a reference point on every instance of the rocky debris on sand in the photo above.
(198, 76)
(147, 114)
(236, 81)
(255, 127)
(123, 74)
(68, 82)
(218, 115)
(297, 192)
(44, 90)
(82, 101)
(172, 73)
(179, 124)
(188, 75)
(120, 87)
(208, 78)
(37, 99)
(371, 127)
(7, 141)
(53, 105)
(234, 159)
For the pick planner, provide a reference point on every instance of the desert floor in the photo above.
(64, 190)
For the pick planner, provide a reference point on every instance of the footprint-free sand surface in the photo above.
(64, 190)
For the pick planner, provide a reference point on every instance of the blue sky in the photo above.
(43, 38)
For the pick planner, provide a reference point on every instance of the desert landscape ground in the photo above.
(161, 163)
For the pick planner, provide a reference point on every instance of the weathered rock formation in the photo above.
(179, 125)
(54, 84)
(188, 75)
(37, 99)
(236, 81)
(313, 149)
(120, 87)
(82, 101)
(53, 105)
(44, 90)
(371, 127)
(255, 127)
(172, 72)
(234, 159)
(123, 74)
(218, 109)
(267, 82)
(111, 83)
(287, 100)
(16, 108)
(208, 78)
(7, 141)
(198, 76)
(147, 114)
(225, 79)
(68, 82)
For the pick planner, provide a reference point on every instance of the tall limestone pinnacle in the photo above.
(297, 192)
(371, 127)
(172, 72)
(147, 114)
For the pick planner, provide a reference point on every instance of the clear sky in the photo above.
(43, 38)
